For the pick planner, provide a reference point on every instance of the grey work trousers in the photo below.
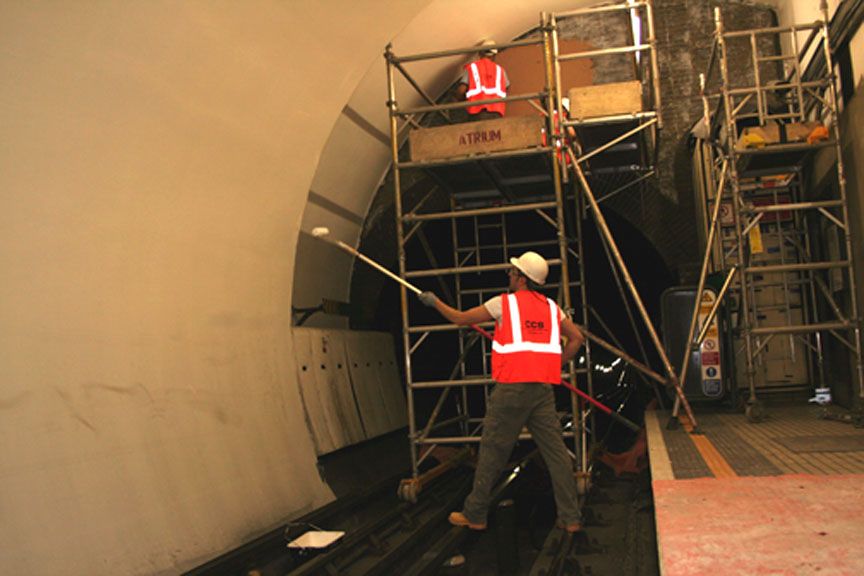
(511, 406)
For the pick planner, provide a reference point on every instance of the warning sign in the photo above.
(710, 348)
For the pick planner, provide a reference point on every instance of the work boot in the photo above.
(459, 519)
(571, 528)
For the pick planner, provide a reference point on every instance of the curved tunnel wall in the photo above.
(155, 167)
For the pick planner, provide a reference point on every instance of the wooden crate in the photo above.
(469, 138)
(605, 100)
(774, 133)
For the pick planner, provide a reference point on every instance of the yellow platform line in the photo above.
(712, 457)
(658, 454)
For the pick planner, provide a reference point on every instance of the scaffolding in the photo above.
(777, 224)
(490, 199)
(488, 202)
(611, 135)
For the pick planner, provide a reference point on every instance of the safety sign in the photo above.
(710, 348)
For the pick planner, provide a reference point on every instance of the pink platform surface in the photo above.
(776, 525)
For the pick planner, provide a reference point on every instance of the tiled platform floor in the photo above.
(785, 496)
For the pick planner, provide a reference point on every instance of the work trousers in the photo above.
(511, 406)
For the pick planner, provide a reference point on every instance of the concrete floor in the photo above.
(779, 497)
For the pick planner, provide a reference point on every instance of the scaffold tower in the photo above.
(487, 225)
(494, 202)
(611, 136)
(776, 223)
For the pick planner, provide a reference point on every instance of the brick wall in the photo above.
(666, 209)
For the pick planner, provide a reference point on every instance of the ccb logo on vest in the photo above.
(534, 325)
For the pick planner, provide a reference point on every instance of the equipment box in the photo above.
(774, 133)
(482, 137)
(706, 378)
(605, 100)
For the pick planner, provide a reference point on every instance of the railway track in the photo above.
(383, 535)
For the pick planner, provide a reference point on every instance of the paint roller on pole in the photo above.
(321, 232)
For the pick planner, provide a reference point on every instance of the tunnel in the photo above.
(166, 308)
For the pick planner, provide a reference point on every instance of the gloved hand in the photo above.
(428, 299)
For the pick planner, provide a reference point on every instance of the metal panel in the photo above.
(376, 382)
(325, 387)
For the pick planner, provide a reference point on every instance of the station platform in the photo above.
(781, 497)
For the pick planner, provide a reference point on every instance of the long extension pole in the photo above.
(604, 229)
(697, 301)
(322, 232)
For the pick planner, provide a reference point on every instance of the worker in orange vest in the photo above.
(483, 79)
(526, 360)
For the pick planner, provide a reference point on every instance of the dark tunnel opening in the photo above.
(615, 383)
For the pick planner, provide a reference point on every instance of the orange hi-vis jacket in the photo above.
(485, 81)
(527, 344)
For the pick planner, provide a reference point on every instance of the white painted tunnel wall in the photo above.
(154, 166)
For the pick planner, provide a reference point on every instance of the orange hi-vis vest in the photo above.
(485, 81)
(527, 344)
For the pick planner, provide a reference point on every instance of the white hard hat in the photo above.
(533, 266)
(565, 102)
(488, 47)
